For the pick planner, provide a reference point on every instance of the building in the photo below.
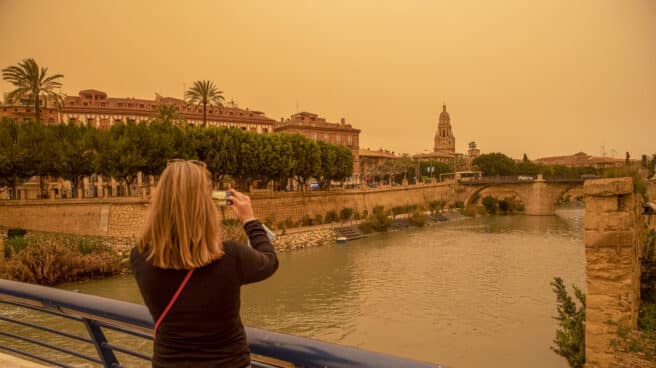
(444, 147)
(94, 108)
(316, 128)
(582, 159)
(24, 111)
(473, 151)
(371, 161)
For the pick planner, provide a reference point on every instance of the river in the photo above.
(469, 293)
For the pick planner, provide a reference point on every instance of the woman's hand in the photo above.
(241, 206)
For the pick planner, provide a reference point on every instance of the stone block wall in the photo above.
(614, 235)
(122, 218)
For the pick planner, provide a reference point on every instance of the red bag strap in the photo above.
(173, 299)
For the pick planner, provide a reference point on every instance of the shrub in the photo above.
(318, 219)
(417, 219)
(14, 245)
(268, 221)
(379, 219)
(570, 337)
(50, 262)
(460, 204)
(331, 216)
(491, 204)
(230, 222)
(398, 210)
(88, 246)
(366, 227)
(504, 206)
(16, 232)
(346, 213)
(307, 221)
(473, 211)
(356, 215)
(365, 213)
(289, 223)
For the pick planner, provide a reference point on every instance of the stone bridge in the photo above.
(540, 197)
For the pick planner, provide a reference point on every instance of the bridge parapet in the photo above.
(614, 234)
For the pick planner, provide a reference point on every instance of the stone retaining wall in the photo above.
(122, 218)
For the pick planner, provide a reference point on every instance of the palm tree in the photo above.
(32, 84)
(204, 93)
(169, 114)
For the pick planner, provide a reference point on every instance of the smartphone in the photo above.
(222, 198)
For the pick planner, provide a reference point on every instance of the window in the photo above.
(102, 104)
(117, 121)
(129, 105)
(141, 106)
(326, 137)
(51, 121)
(265, 130)
(350, 140)
(71, 120)
(85, 104)
(338, 139)
(243, 128)
(90, 123)
(119, 105)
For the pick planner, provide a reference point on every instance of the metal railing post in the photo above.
(100, 342)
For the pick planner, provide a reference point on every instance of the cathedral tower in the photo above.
(445, 142)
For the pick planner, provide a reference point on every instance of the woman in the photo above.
(190, 280)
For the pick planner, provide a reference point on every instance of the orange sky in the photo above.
(543, 77)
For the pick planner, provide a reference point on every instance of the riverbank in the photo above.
(50, 258)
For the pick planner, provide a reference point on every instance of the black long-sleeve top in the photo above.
(204, 328)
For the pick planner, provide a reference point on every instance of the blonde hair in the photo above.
(182, 225)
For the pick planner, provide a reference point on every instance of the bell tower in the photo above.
(445, 142)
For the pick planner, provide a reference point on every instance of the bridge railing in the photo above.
(101, 317)
(518, 179)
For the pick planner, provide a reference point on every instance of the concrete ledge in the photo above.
(608, 187)
(10, 361)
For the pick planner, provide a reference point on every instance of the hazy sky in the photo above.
(544, 77)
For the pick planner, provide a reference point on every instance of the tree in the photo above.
(204, 93)
(32, 84)
(15, 166)
(570, 337)
(627, 161)
(645, 161)
(525, 158)
(38, 142)
(433, 168)
(495, 164)
(122, 155)
(75, 153)
(169, 114)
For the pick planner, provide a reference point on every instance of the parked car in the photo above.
(314, 186)
(524, 178)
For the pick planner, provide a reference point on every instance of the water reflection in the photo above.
(470, 293)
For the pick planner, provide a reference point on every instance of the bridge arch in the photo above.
(539, 198)
(499, 192)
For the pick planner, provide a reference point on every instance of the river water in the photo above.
(469, 293)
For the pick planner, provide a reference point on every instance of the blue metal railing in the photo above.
(98, 315)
